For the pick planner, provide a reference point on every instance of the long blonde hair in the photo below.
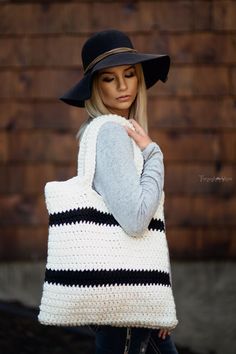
(138, 111)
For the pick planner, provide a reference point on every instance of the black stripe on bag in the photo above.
(95, 216)
(106, 277)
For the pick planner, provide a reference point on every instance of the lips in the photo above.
(123, 98)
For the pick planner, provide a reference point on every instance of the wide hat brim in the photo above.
(155, 67)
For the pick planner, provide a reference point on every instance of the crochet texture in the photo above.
(95, 272)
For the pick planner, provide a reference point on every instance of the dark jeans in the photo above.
(119, 340)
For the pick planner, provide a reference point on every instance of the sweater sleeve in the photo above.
(131, 200)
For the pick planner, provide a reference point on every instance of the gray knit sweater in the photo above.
(132, 201)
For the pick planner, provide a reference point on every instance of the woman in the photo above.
(115, 80)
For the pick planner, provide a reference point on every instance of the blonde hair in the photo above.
(138, 111)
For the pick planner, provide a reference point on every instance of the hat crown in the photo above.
(103, 42)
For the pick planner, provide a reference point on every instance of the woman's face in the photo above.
(118, 88)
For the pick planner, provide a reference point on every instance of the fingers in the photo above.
(131, 132)
(134, 134)
(139, 135)
(163, 333)
(137, 127)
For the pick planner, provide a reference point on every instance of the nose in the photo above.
(121, 83)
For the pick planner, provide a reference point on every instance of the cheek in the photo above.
(102, 93)
(105, 92)
(135, 85)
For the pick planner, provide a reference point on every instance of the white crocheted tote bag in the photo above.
(95, 272)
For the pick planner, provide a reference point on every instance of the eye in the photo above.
(107, 78)
(130, 73)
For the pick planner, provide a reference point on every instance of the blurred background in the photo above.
(192, 117)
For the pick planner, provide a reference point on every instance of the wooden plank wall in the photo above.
(192, 116)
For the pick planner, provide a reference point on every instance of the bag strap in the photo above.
(87, 150)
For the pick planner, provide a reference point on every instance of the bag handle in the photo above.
(87, 150)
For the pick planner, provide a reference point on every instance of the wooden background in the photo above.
(192, 116)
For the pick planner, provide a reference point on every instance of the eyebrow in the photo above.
(112, 72)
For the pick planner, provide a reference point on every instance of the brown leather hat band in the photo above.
(107, 54)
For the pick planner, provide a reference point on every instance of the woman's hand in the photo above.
(163, 333)
(139, 135)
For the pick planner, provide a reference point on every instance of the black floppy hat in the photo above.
(113, 48)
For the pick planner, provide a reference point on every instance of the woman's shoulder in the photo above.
(113, 140)
(112, 126)
(112, 131)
